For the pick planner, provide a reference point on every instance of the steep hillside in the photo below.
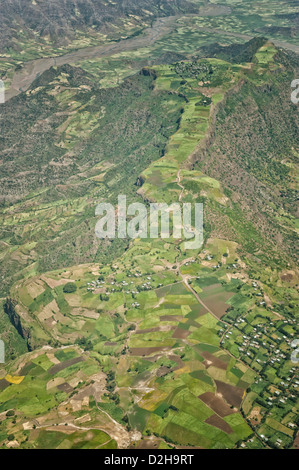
(59, 159)
(60, 22)
(253, 152)
(157, 345)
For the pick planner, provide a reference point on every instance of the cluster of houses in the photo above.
(127, 287)
(92, 286)
(261, 336)
(190, 262)
(267, 347)
(218, 265)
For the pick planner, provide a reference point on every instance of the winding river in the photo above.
(162, 26)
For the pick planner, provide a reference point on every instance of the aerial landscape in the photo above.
(124, 333)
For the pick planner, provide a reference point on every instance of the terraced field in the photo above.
(155, 346)
(141, 41)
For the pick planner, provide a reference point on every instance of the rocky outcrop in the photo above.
(15, 319)
(147, 72)
(140, 181)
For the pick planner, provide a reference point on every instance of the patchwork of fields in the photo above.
(160, 346)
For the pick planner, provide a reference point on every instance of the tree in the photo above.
(69, 288)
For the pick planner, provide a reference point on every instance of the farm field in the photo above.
(144, 343)
(170, 343)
